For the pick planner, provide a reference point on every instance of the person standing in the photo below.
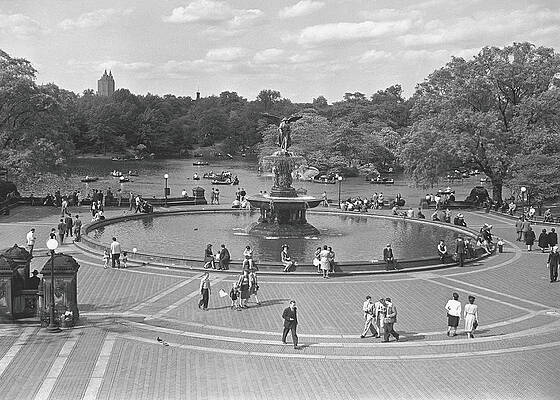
(460, 250)
(205, 291)
(69, 223)
(254, 285)
(78, 228)
(224, 258)
(31, 239)
(61, 230)
(209, 257)
(131, 201)
(529, 238)
(369, 311)
(525, 226)
(471, 317)
(324, 260)
(453, 308)
(290, 323)
(115, 253)
(442, 251)
(244, 284)
(390, 320)
(519, 228)
(552, 263)
(248, 258)
(388, 257)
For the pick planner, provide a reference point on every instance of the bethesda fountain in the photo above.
(282, 211)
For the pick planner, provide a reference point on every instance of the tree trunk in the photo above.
(497, 192)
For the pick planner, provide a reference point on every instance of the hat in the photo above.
(554, 248)
(459, 215)
(285, 246)
(35, 272)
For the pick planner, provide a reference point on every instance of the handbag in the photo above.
(475, 324)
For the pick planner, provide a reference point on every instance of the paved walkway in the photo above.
(226, 354)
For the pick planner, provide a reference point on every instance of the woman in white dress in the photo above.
(471, 317)
(325, 262)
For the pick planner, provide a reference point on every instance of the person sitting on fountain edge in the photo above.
(286, 259)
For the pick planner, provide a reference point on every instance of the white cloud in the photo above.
(269, 56)
(384, 14)
(212, 12)
(373, 55)
(94, 19)
(20, 26)
(351, 31)
(226, 54)
(304, 7)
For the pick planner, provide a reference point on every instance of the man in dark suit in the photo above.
(224, 258)
(388, 257)
(390, 320)
(290, 323)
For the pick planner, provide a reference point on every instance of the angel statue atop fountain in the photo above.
(284, 129)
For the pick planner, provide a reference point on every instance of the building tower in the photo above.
(106, 85)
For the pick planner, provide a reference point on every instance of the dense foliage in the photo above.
(498, 112)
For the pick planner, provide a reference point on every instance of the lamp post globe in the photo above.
(52, 245)
(524, 194)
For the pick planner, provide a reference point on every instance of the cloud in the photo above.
(20, 26)
(351, 31)
(94, 19)
(226, 54)
(493, 27)
(137, 66)
(212, 12)
(373, 55)
(304, 7)
(269, 56)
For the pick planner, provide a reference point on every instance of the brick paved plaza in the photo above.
(224, 354)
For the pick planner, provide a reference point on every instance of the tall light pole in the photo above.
(339, 177)
(166, 188)
(52, 244)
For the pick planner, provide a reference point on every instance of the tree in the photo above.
(267, 98)
(467, 109)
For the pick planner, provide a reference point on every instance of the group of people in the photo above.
(215, 196)
(240, 199)
(440, 199)
(219, 261)
(470, 315)
(380, 317)
(324, 260)
(112, 255)
(242, 289)
(547, 240)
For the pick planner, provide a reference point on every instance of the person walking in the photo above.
(519, 228)
(205, 291)
(78, 228)
(61, 230)
(254, 286)
(552, 263)
(388, 257)
(224, 258)
(543, 240)
(390, 320)
(31, 239)
(461, 251)
(379, 313)
(369, 311)
(209, 257)
(290, 323)
(453, 308)
(529, 238)
(115, 253)
(471, 317)
(552, 237)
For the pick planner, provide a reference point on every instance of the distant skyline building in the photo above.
(106, 85)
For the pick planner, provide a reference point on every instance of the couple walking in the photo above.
(381, 315)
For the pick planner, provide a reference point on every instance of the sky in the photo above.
(303, 49)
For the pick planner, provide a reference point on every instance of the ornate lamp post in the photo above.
(166, 188)
(523, 194)
(339, 178)
(52, 244)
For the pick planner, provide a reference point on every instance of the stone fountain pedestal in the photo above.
(283, 211)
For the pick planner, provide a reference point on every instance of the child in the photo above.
(500, 245)
(233, 294)
(106, 259)
(125, 259)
